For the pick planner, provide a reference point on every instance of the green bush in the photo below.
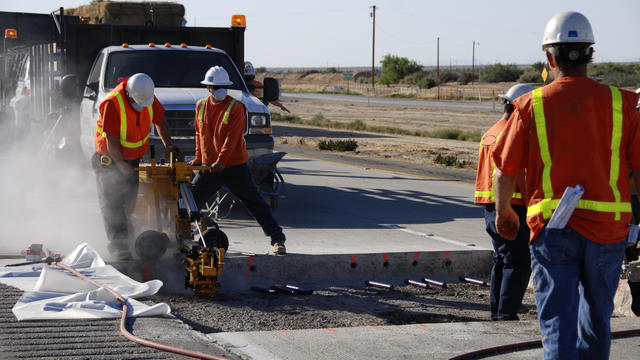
(621, 75)
(357, 125)
(338, 145)
(449, 76)
(449, 160)
(331, 70)
(538, 66)
(395, 68)
(261, 69)
(319, 120)
(294, 119)
(426, 83)
(464, 77)
(500, 73)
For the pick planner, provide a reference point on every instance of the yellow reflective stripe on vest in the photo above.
(548, 204)
(203, 102)
(225, 119)
(616, 137)
(123, 123)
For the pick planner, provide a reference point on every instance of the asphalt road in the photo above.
(359, 99)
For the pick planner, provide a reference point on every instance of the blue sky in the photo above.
(283, 33)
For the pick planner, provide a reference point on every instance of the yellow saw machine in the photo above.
(167, 208)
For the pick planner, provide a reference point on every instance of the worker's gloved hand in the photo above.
(194, 162)
(217, 167)
(507, 223)
(176, 152)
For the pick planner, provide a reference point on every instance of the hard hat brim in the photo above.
(225, 83)
(144, 103)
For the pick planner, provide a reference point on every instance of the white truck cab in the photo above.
(176, 71)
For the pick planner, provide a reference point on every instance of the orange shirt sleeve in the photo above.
(511, 150)
(630, 112)
(110, 118)
(234, 133)
(158, 111)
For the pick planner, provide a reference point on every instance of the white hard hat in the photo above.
(216, 76)
(140, 88)
(568, 27)
(249, 70)
(516, 91)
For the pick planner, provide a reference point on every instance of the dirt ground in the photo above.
(337, 307)
(414, 149)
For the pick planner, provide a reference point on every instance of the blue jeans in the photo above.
(240, 182)
(511, 266)
(575, 280)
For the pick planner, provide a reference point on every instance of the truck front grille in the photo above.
(181, 123)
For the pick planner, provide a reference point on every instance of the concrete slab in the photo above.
(418, 341)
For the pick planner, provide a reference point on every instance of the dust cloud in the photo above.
(47, 192)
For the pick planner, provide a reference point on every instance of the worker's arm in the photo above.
(636, 180)
(278, 104)
(165, 135)
(507, 221)
(115, 151)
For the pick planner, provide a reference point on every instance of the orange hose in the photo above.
(130, 336)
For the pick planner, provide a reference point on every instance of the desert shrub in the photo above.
(538, 66)
(319, 120)
(338, 145)
(449, 160)
(448, 76)
(331, 70)
(395, 68)
(455, 134)
(464, 77)
(294, 119)
(426, 83)
(308, 72)
(500, 73)
(357, 125)
(622, 75)
(261, 69)
(530, 77)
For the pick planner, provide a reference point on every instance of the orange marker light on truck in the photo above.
(167, 44)
(208, 46)
(184, 45)
(151, 44)
(10, 33)
(238, 20)
(125, 45)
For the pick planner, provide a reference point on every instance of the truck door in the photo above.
(89, 107)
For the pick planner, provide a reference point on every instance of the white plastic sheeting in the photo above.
(52, 293)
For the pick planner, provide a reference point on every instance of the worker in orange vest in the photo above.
(121, 139)
(220, 144)
(571, 132)
(511, 259)
(255, 86)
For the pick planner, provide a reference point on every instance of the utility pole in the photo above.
(438, 69)
(473, 57)
(373, 51)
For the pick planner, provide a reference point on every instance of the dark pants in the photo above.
(511, 266)
(117, 196)
(240, 182)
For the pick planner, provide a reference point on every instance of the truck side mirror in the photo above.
(69, 86)
(92, 92)
(271, 89)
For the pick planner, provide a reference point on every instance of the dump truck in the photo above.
(69, 65)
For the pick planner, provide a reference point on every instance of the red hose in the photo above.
(528, 345)
(130, 336)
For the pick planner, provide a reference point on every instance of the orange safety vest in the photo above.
(134, 135)
(485, 177)
(549, 203)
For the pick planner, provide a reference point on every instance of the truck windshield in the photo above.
(182, 69)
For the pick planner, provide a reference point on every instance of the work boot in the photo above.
(278, 249)
(633, 279)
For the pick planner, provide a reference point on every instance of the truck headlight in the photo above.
(259, 124)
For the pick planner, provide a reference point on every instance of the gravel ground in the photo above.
(337, 307)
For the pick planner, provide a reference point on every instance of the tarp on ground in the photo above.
(52, 293)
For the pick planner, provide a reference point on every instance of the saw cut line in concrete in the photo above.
(431, 236)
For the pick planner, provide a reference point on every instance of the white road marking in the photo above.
(431, 236)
